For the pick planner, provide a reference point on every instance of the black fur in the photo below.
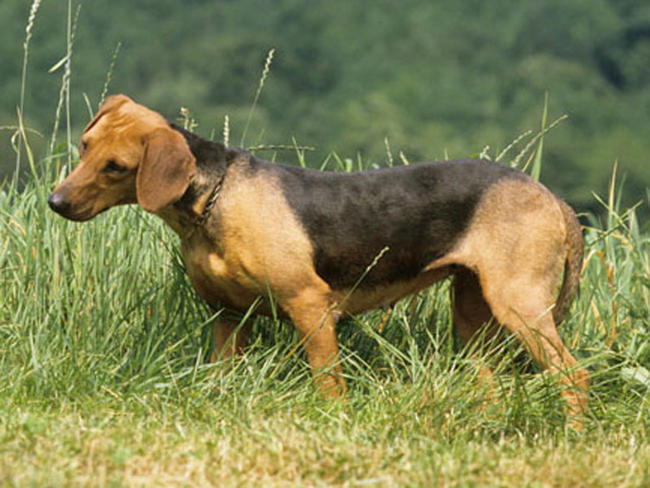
(417, 211)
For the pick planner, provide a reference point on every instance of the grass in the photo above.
(104, 378)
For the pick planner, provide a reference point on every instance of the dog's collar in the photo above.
(209, 203)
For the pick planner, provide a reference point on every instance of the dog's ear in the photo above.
(111, 103)
(165, 171)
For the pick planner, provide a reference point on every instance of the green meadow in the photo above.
(105, 378)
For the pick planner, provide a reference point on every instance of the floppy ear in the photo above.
(165, 171)
(111, 103)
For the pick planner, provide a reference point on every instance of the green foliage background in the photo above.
(435, 78)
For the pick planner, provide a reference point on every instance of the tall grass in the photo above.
(104, 378)
(33, 11)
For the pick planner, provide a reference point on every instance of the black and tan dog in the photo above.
(249, 227)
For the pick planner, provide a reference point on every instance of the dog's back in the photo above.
(418, 212)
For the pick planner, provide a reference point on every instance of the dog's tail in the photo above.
(572, 264)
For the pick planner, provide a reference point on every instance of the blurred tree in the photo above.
(435, 78)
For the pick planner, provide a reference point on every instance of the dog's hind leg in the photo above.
(520, 288)
(473, 320)
(518, 246)
(531, 321)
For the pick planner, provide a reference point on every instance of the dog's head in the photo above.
(128, 154)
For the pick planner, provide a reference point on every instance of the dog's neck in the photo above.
(212, 161)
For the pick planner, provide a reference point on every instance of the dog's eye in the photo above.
(113, 167)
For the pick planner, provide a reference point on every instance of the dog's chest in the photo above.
(216, 281)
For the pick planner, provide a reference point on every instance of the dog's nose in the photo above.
(58, 203)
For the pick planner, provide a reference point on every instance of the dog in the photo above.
(324, 244)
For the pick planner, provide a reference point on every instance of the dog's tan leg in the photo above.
(524, 306)
(542, 340)
(228, 339)
(471, 312)
(518, 247)
(311, 313)
(473, 319)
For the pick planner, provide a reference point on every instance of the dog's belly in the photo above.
(360, 299)
(224, 284)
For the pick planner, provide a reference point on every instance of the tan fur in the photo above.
(261, 246)
(355, 301)
(121, 131)
(516, 245)
(572, 265)
(263, 249)
(167, 163)
(471, 312)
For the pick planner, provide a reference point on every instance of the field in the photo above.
(104, 378)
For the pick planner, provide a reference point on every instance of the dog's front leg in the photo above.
(312, 315)
(229, 338)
